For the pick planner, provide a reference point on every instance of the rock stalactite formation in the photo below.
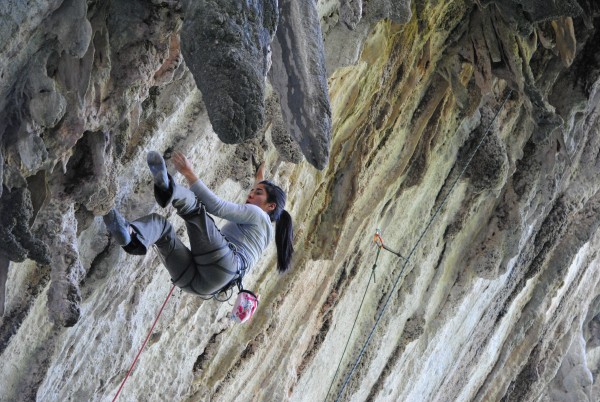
(369, 114)
(227, 47)
(299, 78)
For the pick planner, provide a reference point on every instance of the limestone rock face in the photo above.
(467, 132)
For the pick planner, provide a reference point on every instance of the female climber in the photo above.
(216, 257)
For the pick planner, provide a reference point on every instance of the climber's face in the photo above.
(258, 196)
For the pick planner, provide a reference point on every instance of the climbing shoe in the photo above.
(159, 170)
(118, 227)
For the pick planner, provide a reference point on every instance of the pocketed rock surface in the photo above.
(467, 132)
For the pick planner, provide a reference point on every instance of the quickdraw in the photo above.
(378, 240)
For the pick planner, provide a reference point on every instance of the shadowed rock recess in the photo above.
(367, 113)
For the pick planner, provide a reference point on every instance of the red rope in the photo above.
(144, 344)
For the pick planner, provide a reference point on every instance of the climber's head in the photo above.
(259, 196)
(275, 198)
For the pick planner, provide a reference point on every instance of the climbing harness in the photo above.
(224, 294)
(246, 302)
(143, 344)
(407, 259)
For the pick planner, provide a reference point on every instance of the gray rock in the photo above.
(526, 12)
(574, 382)
(300, 79)
(12, 177)
(22, 27)
(287, 148)
(32, 151)
(226, 47)
(489, 168)
(351, 12)
(18, 18)
(392, 170)
(4, 264)
(1, 171)
(74, 31)
(60, 231)
(16, 240)
(344, 45)
(47, 108)
(396, 10)
(90, 179)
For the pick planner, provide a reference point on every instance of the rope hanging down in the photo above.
(412, 251)
(143, 344)
(378, 240)
(356, 318)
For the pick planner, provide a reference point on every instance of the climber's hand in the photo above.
(183, 166)
(181, 163)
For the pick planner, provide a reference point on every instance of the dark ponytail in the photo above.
(284, 227)
(284, 237)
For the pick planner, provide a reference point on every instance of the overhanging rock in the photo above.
(226, 47)
(299, 77)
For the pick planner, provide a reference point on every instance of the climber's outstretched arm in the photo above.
(260, 173)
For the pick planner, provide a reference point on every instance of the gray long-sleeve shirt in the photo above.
(248, 226)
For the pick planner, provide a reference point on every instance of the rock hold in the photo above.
(47, 108)
(73, 30)
(59, 229)
(16, 240)
(396, 10)
(351, 12)
(489, 168)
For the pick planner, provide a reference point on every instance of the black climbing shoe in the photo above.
(159, 170)
(118, 227)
